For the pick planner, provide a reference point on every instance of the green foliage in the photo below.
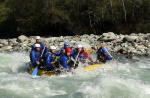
(61, 17)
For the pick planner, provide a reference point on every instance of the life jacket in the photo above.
(35, 56)
(100, 52)
(68, 61)
(53, 57)
(38, 55)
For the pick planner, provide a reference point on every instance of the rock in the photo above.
(148, 46)
(140, 47)
(4, 42)
(22, 38)
(32, 40)
(85, 40)
(134, 51)
(5, 48)
(13, 41)
(110, 36)
(148, 38)
(1, 45)
(148, 52)
(130, 38)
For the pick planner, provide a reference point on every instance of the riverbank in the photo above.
(133, 44)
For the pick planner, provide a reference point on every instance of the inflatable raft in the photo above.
(93, 66)
(41, 71)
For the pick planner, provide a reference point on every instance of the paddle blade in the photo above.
(35, 71)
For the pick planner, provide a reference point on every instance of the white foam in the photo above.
(125, 79)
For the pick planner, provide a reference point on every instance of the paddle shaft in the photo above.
(76, 58)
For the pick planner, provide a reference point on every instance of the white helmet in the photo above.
(52, 47)
(37, 45)
(38, 37)
(79, 46)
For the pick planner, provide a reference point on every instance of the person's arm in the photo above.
(33, 57)
(64, 63)
(107, 54)
(42, 45)
(57, 53)
(87, 56)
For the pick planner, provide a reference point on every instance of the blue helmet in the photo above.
(66, 44)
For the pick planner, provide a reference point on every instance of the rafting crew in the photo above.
(67, 58)
(35, 55)
(102, 54)
(51, 61)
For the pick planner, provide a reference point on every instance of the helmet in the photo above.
(38, 37)
(66, 44)
(68, 50)
(37, 45)
(79, 46)
(52, 47)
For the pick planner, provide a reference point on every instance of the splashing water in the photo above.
(123, 79)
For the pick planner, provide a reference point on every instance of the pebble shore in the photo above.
(137, 44)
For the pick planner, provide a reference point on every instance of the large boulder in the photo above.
(7, 48)
(13, 41)
(4, 42)
(110, 36)
(22, 38)
(87, 46)
(130, 38)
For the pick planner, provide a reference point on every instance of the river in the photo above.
(124, 78)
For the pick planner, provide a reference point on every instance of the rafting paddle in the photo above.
(76, 60)
(35, 71)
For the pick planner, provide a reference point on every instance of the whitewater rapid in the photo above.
(124, 78)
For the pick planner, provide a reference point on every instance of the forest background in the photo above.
(71, 17)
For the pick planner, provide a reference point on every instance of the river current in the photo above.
(124, 78)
